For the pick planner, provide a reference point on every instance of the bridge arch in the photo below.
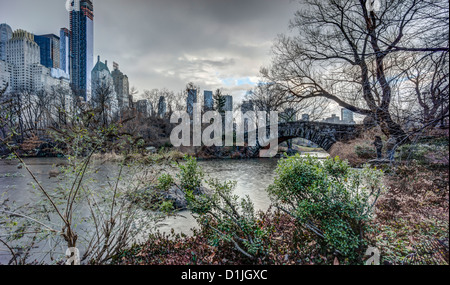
(325, 135)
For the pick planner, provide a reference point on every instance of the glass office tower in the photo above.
(64, 50)
(49, 48)
(82, 48)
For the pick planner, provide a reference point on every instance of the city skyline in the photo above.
(214, 45)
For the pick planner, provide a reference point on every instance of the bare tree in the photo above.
(272, 97)
(153, 98)
(104, 101)
(341, 49)
(429, 86)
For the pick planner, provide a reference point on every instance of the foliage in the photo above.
(196, 249)
(190, 175)
(331, 200)
(83, 210)
(365, 151)
(425, 153)
(412, 212)
(152, 197)
(227, 218)
(219, 101)
(165, 181)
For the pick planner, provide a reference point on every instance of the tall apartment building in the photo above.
(144, 107)
(228, 103)
(64, 50)
(82, 48)
(191, 100)
(247, 106)
(22, 52)
(162, 107)
(121, 86)
(5, 35)
(50, 50)
(208, 101)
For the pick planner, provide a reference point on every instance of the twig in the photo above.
(12, 252)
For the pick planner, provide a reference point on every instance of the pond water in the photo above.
(252, 178)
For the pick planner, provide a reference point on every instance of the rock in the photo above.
(292, 152)
(177, 197)
(151, 197)
(150, 149)
(53, 173)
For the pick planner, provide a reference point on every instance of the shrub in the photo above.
(227, 220)
(365, 151)
(165, 181)
(424, 153)
(328, 199)
(190, 175)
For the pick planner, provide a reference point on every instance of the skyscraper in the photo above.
(162, 107)
(49, 47)
(247, 106)
(82, 48)
(64, 50)
(191, 100)
(5, 36)
(22, 53)
(208, 101)
(228, 103)
(121, 86)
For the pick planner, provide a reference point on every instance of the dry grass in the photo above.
(413, 212)
(346, 150)
(172, 155)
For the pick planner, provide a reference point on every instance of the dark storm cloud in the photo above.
(167, 43)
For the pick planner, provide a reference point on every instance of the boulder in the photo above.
(177, 197)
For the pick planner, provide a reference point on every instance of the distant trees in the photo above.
(345, 53)
(104, 101)
(273, 97)
(154, 98)
(219, 101)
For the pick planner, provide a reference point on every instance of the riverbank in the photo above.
(411, 216)
(410, 227)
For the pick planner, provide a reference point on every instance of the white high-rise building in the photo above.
(26, 72)
(22, 53)
(103, 90)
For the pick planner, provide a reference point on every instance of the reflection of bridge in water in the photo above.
(325, 135)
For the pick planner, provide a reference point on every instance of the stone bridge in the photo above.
(325, 135)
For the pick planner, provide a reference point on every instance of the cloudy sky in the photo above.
(168, 43)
